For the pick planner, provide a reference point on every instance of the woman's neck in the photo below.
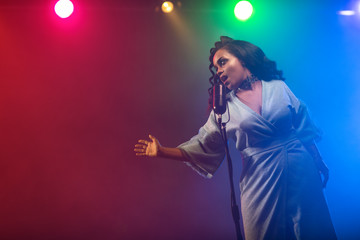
(248, 85)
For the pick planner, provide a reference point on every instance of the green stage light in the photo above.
(243, 10)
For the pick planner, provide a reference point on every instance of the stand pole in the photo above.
(234, 208)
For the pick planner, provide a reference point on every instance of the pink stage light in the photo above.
(64, 8)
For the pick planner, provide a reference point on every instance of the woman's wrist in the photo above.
(160, 152)
(173, 153)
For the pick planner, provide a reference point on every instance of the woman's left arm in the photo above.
(321, 166)
(307, 132)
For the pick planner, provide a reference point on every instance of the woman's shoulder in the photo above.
(276, 85)
(275, 82)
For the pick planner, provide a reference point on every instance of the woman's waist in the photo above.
(268, 144)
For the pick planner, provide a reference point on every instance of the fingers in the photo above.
(140, 154)
(326, 179)
(324, 176)
(141, 150)
(143, 146)
(140, 146)
(143, 141)
(324, 184)
(325, 172)
(154, 139)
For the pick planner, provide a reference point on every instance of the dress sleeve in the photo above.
(205, 151)
(304, 127)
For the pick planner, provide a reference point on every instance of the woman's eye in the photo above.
(222, 62)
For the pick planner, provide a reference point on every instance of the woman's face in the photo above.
(229, 69)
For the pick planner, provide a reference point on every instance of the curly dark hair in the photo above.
(251, 56)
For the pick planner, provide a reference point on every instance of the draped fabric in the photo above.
(281, 192)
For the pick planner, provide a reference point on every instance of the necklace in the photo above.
(246, 84)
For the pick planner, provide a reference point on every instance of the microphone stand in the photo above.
(234, 208)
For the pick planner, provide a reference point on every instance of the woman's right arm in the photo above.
(153, 148)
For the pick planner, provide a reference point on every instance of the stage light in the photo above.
(346, 12)
(64, 8)
(167, 7)
(243, 10)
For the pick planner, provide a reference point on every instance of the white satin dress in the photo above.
(281, 189)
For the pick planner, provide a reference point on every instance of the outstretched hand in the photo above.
(147, 148)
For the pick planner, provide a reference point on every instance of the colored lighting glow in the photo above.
(243, 10)
(64, 8)
(167, 7)
(346, 12)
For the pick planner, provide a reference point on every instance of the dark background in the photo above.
(76, 94)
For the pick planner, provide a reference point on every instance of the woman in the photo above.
(280, 184)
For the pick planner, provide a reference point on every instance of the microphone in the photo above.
(219, 98)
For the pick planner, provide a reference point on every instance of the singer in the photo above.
(283, 174)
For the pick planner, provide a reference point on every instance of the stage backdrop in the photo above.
(76, 94)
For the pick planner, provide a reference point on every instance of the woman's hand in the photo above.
(320, 165)
(324, 171)
(147, 148)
